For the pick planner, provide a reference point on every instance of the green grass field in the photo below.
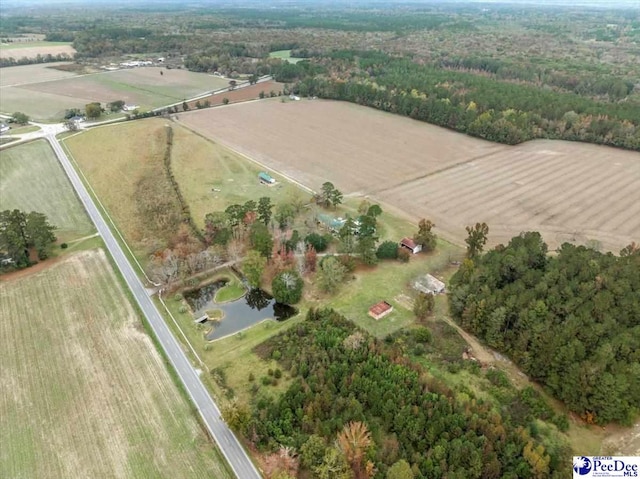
(213, 177)
(31, 179)
(20, 130)
(19, 45)
(85, 392)
(39, 106)
(285, 55)
(389, 281)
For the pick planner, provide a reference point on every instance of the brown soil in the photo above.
(36, 268)
(32, 52)
(243, 94)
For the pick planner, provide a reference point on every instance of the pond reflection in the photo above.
(255, 306)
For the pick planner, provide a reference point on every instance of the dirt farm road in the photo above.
(227, 442)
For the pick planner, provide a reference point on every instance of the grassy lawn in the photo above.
(389, 281)
(31, 179)
(86, 394)
(285, 55)
(233, 290)
(212, 177)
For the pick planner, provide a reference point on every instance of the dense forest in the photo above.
(384, 410)
(571, 320)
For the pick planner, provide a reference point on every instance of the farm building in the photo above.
(429, 284)
(266, 178)
(330, 222)
(411, 245)
(4, 128)
(130, 107)
(380, 310)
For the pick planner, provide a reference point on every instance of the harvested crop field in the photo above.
(31, 179)
(33, 49)
(242, 94)
(41, 72)
(14, 96)
(85, 393)
(148, 88)
(317, 141)
(567, 191)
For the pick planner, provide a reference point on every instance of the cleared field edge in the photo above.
(165, 360)
(104, 280)
(103, 210)
(247, 157)
(85, 226)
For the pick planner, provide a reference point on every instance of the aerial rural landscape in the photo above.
(370, 240)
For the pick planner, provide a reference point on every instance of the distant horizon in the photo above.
(351, 3)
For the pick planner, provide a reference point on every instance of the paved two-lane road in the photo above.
(226, 440)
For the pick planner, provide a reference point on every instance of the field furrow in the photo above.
(85, 393)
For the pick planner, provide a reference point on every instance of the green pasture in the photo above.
(19, 45)
(31, 179)
(212, 177)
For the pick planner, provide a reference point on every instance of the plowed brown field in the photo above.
(32, 52)
(567, 191)
(242, 94)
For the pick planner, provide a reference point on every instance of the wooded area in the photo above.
(571, 321)
(19, 232)
(343, 376)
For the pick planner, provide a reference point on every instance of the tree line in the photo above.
(47, 58)
(571, 320)
(357, 408)
(499, 111)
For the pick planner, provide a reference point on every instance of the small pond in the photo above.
(253, 307)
